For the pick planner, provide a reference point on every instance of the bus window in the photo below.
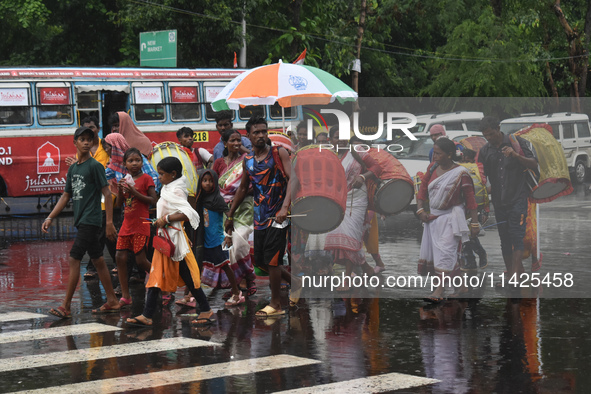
(211, 92)
(275, 112)
(15, 104)
(149, 105)
(184, 102)
(251, 110)
(54, 104)
(88, 104)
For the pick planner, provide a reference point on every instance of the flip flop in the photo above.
(106, 309)
(183, 302)
(294, 297)
(434, 300)
(204, 321)
(133, 321)
(269, 311)
(60, 312)
(378, 270)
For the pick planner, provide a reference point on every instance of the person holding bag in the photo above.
(177, 266)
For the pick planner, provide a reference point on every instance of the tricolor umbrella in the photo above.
(286, 83)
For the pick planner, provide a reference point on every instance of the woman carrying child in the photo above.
(138, 192)
(215, 257)
(230, 170)
(180, 269)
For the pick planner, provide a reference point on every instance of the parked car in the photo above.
(452, 121)
(573, 132)
(415, 154)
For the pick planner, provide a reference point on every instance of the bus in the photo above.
(40, 108)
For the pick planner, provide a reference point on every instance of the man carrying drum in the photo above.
(268, 169)
(506, 171)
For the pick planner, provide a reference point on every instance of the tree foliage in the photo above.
(409, 47)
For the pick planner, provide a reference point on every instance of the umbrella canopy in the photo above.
(288, 84)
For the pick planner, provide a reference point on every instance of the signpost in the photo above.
(158, 48)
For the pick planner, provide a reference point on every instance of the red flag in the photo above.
(301, 58)
(235, 62)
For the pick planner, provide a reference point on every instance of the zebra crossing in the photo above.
(166, 376)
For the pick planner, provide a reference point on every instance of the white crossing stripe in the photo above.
(54, 332)
(371, 384)
(14, 316)
(177, 376)
(99, 353)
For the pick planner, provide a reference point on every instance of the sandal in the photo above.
(106, 309)
(434, 300)
(227, 295)
(252, 290)
(269, 311)
(134, 321)
(187, 301)
(235, 300)
(204, 321)
(90, 274)
(124, 302)
(294, 297)
(60, 312)
(166, 299)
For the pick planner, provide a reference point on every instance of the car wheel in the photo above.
(580, 171)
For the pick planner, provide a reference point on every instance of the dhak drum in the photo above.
(554, 175)
(480, 192)
(322, 195)
(280, 139)
(395, 191)
(168, 149)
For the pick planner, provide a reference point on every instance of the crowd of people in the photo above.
(239, 217)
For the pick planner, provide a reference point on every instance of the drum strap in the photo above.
(277, 160)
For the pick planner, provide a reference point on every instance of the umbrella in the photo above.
(474, 143)
(286, 83)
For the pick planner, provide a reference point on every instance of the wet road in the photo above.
(493, 344)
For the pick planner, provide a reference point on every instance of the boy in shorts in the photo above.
(85, 183)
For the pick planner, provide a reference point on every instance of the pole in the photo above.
(283, 119)
(538, 231)
(243, 49)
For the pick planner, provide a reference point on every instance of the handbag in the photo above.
(163, 244)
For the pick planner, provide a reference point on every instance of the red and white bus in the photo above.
(41, 107)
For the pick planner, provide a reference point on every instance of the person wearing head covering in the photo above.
(116, 145)
(134, 137)
(216, 258)
(437, 131)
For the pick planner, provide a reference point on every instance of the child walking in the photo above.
(137, 191)
(215, 258)
(85, 183)
(168, 273)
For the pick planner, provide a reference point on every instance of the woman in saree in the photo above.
(229, 169)
(346, 241)
(449, 190)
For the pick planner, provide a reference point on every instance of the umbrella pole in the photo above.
(283, 118)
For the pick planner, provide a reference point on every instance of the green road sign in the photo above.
(158, 48)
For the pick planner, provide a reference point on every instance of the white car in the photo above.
(571, 130)
(415, 155)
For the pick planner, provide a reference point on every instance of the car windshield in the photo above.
(414, 149)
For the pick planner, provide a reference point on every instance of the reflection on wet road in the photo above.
(472, 346)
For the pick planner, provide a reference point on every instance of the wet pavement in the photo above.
(395, 343)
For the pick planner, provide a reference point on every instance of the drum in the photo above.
(396, 190)
(280, 139)
(480, 192)
(554, 176)
(167, 149)
(322, 193)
